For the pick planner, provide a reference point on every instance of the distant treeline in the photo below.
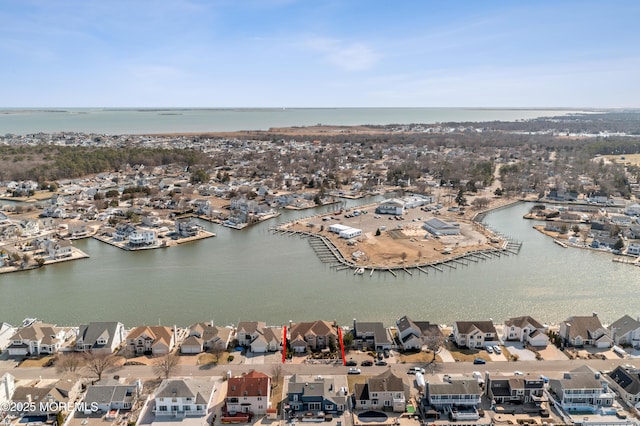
(46, 163)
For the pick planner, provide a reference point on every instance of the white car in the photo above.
(497, 349)
(489, 349)
(518, 373)
(354, 370)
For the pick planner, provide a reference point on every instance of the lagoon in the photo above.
(255, 275)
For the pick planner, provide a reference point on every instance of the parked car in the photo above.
(497, 349)
(489, 349)
(414, 370)
(379, 355)
(386, 353)
(479, 361)
(381, 362)
(351, 363)
(518, 373)
(353, 370)
(366, 363)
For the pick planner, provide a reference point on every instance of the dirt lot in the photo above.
(401, 242)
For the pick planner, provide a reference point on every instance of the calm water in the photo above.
(253, 275)
(137, 121)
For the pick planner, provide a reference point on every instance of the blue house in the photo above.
(308, 396)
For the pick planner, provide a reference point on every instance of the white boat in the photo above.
(359, 271)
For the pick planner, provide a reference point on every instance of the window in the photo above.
(162, 408)
(186, 408)
(387, 403)
(174, 408)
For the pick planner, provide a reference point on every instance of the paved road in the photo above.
(551, 368)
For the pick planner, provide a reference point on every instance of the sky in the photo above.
(322, 53)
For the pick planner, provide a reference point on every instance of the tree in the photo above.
(200, 176)
(69, 362)
(99, 363)
(619, 244)
(434, 344)
(166, 365)
(347, 340)
(378, 232)
(498, 192)
(276, 375)
(461, 200)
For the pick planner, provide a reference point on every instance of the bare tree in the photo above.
(99, 363)
(216, 351)
(433, 344)
(167, 365)
(276, 375)
(69, 362)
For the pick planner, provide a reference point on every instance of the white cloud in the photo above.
(354, 56)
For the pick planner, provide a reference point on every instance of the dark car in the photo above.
(381, 362)
(479, 361)
(379, 355)
(351, 363)
(366, 363)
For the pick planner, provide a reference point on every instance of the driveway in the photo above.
(552, 353)
(516, 348)
(445, 355)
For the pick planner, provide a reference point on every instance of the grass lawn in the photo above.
(419, 357)
(464, 355)
(36, 362)
(210, 359)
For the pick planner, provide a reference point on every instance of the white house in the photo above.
(179, 398)
(440, 227)
(582, 390)
(416, 334)
(269, 340)
(474, 334)
(627, 383)
(625, 331)
(633, 248)
(154, 340)
(204, 336)
(7, 387)
(36, 339)
(249, 393)
(448, 397)
(337, 228)
(350, 233)
(526, 330)
(381, 392)
(110, 396)
(141, 238)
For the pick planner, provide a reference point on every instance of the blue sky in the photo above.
(323, 53)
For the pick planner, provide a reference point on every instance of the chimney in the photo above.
(354, 327)
(595, 314)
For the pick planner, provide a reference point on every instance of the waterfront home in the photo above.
(604, 242)
(582, 331)
(625, 331)
(316, 395)
(458, 398)
(249, 393)
(205, 336)
(514, 389)
(440, 227)
(526, 330)
(392, 206)
(6, 331)
(268, 340)
(248, 331)
(29, 227)
(77, 229)
(7, 387)
(626, 381)
(474, 334)
(109, 395)
(313, 336)
(186, 227)
(179, 398)
(100, 337)
(143, 238)
(44, 398)
(382, 392)
(371, 336)
(633, 248)
(37, 339)
(582, 390)
(150, 219)
(151, 340)
(416, 334)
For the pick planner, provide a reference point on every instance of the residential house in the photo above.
(143, 238)
(249, 393)
(186, 227)
(382, 392)
(526, 330)
(582, 390)
(371, 335)
(179, 398)
(440, 227)
(474, 334)
(458, 398)
(247, 331)
(632, 210)
(514, 389)
(627, 383)
(633, 248)
(109, 396)
(37, 339)
(150, 219)
(582, 331)
(416, 334)
(7, 387)
(44, 400)
(6, 331)
(100, 337)
(151, 340)
(313, 336)
(316, 394)
(269, 340)
(205, 336)
(625, 331)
